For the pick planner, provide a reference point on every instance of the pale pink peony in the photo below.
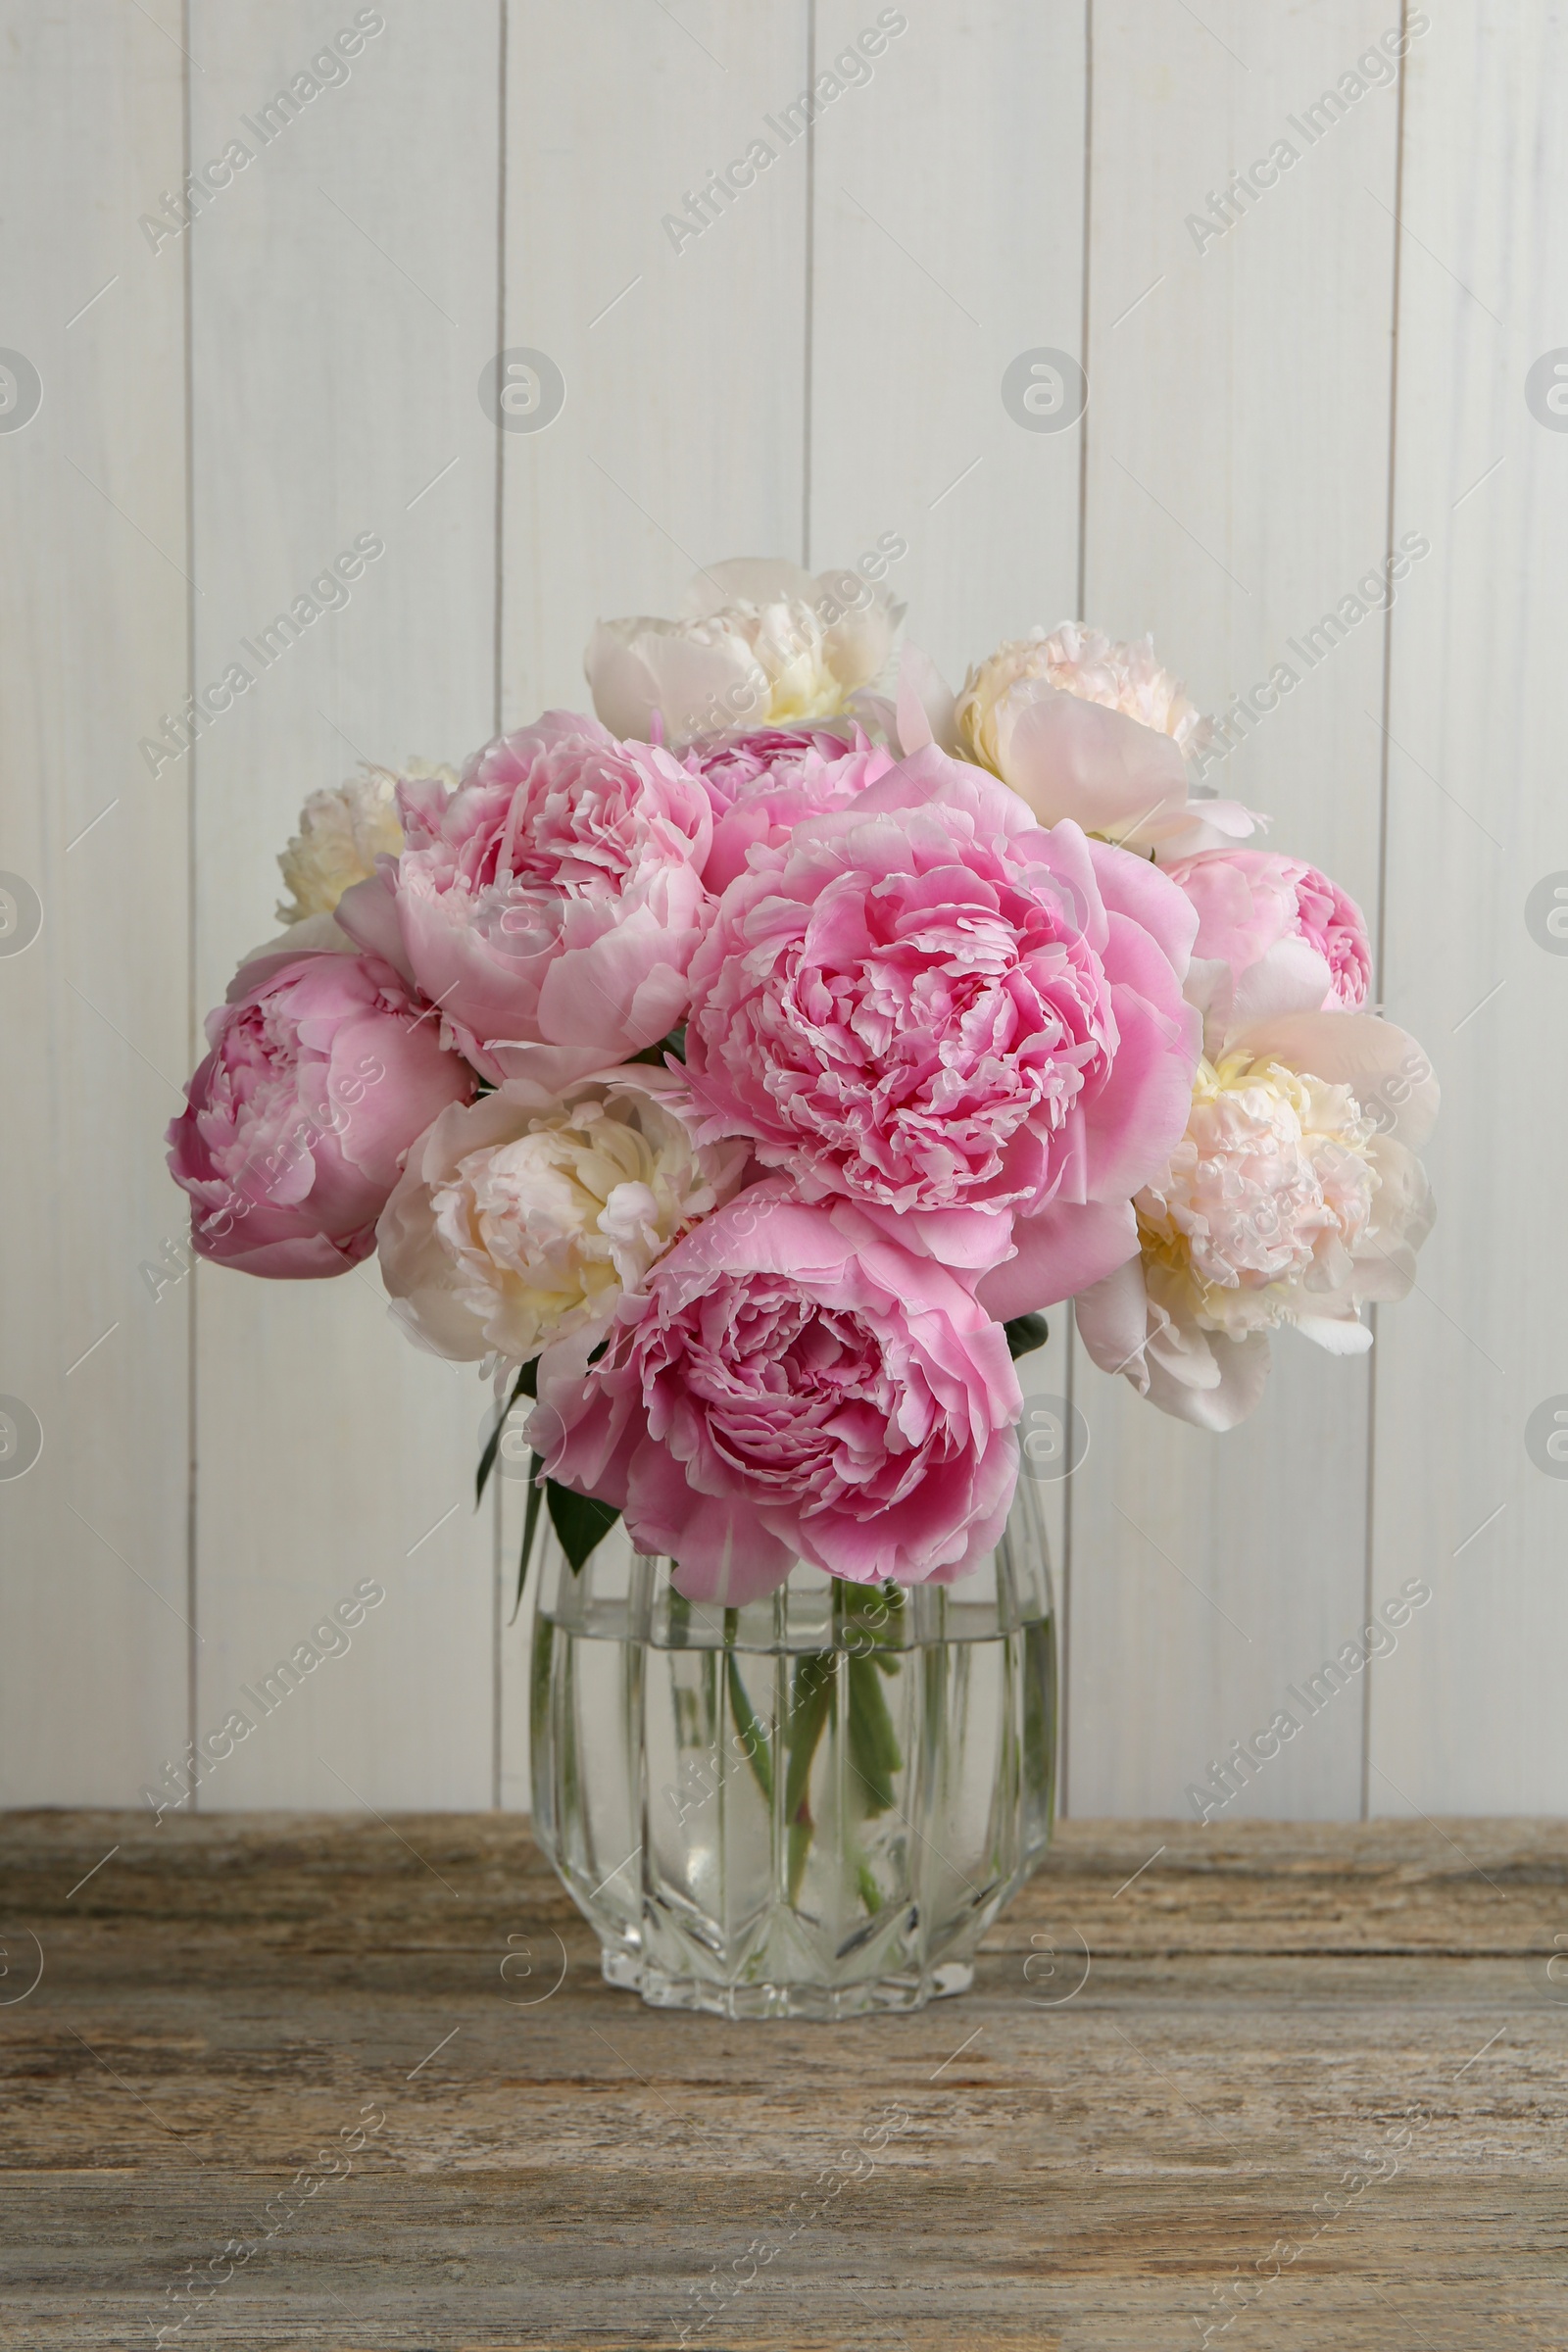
(522, 1217)
(792, 1384)
(796, 776)
(1271, 930)
(549, 905)
(928, 1004)
(1294, 1197)
(324, 1070)
(1083, 727)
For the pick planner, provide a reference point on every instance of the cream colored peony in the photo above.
(1085, 728)
(524, 1218)
(342, 831)
(762, 642)
(1293, 1199)
(1085, 662)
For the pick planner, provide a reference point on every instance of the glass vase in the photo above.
(811, 1806)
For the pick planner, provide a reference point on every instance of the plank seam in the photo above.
(810, 293)
(1065, 1660)
(497, 1529)
(192, 1581)
(1379, 982)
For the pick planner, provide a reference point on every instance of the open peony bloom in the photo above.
(926, 1003)
(1294, 1198)
(792, 1384)
(1086, 728)
(551, 904)
(1272, 934)
(807, 773)
(761, 643)
(521, 1218)
(324, 1070)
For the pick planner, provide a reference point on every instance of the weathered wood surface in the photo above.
(1340, 2040)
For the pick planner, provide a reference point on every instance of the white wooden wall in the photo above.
(224, 1460)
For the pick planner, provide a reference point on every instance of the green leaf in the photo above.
(873, 1747)
(530, 1522)
(813, 1685)
(487, 1461)
(1024, 1333)
(674, 1043)
(582, 1521)
(746, 1723)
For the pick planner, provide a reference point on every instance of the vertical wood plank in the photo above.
(1472, 1372)
(93, 1601)
(946, 240)
(680, 439)
(1237, 490)
(343, 304)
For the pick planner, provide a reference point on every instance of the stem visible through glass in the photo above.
(868, 1628)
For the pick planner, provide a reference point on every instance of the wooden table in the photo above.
(1295, 2087)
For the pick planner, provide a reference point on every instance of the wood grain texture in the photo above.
(1344, 2041)
(1472, 1713)
(95, 1005)
(1237, 489)
(343, 304)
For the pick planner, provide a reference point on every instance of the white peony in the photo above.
(761, 643)
(1293, 1199)
(525, 1217)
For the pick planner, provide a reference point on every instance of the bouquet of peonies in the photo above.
(736, 1075)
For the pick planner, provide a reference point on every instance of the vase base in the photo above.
(825, 2004)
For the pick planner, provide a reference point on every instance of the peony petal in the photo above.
(746, 580)
(1139, 1115)
(1069, 758)
(1130, 885)
(1337, 1335)
(860, 623)
(1111, 1316)
(368, 913)
(1241, 1368)
(1060, 1251)
(313, 935)
(926, 709)
(1387, 1072)
(1291, 977)
(1200, 825)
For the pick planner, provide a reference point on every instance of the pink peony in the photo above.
(1271, 931)
(730, 764)
(324, 1070)
(796, 774)
(928, 1004)
(792, 1384)
(549, 905)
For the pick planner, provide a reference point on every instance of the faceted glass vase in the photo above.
(813, 1806)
